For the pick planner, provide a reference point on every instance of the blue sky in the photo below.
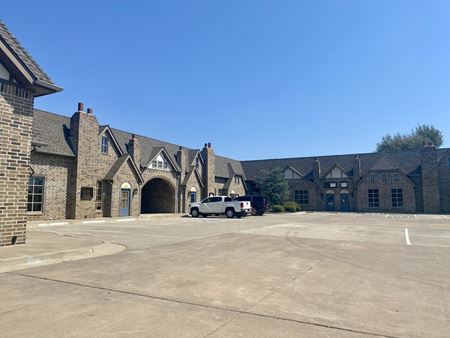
(258, 79)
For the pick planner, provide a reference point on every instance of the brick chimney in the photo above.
(356, 169)
(430, 179)
(316, 171)
(181, 160)
(86, 145)
(209, 174)
(135, 150)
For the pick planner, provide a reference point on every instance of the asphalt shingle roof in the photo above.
(51, 132)
(23, 55)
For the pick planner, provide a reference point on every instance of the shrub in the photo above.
(277, 208)
(291, 206)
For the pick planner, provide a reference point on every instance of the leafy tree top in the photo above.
(419, 136)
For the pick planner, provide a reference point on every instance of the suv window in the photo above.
(228, 199)
(216, 199)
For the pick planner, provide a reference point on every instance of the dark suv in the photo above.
(259, 203)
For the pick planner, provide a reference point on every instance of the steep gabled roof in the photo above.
(161, 150)
(51, 133)
(118, 164)
(14, 56)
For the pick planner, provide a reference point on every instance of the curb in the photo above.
(39, 224)
(31, 261)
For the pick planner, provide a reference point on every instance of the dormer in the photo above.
(160, 160)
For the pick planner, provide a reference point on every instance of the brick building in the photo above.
(88, 170)
(54, 166)
(21, 80)
(408, 181)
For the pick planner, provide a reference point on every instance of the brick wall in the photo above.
(384, 181)
(430, 180)
(56, 170)
(16, 106)
(125, 175)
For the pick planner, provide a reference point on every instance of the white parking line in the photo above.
(50, 224)
(408, 242)
(99, 221)
(445, 216)
(126, 220)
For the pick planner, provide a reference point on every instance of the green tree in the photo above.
(273, 186)
(414, 140)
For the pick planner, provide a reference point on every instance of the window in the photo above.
(301, 197)
(397, 198)
(237, 180)
(35, 194)
(104, 144)
(372, 178)
(222, 192)
(344, 184)
(396, 178)
(374, 198)
(160, 163)
(193, 196)
(333, 184)
(99, 196)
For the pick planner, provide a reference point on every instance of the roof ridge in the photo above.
(19, 45)
(342, 155)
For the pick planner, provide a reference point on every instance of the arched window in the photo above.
(193, 195)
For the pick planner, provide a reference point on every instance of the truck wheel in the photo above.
(230, 213)
(194, 213)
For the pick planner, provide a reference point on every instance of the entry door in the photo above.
(330, 203)
(345, 202)
(124, 202)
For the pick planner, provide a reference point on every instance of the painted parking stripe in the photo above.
(126, 220)
(87, 222)
(408, 242)
(50, 224)
(445, 216)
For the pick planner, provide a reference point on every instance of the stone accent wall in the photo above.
(56, 170)
(16, 107)
(384, 181)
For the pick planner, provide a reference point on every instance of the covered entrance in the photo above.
(344, 197)
(157, 196)
(330, 203)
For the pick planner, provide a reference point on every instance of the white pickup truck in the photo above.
(216, 205)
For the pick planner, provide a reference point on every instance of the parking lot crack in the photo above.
(236, 311)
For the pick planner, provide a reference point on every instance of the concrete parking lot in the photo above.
(289, 275)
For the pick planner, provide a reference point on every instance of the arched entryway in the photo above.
(157, 196)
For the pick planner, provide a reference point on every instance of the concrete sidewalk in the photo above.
(44, 248)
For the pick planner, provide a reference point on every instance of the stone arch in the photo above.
(158, 196)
